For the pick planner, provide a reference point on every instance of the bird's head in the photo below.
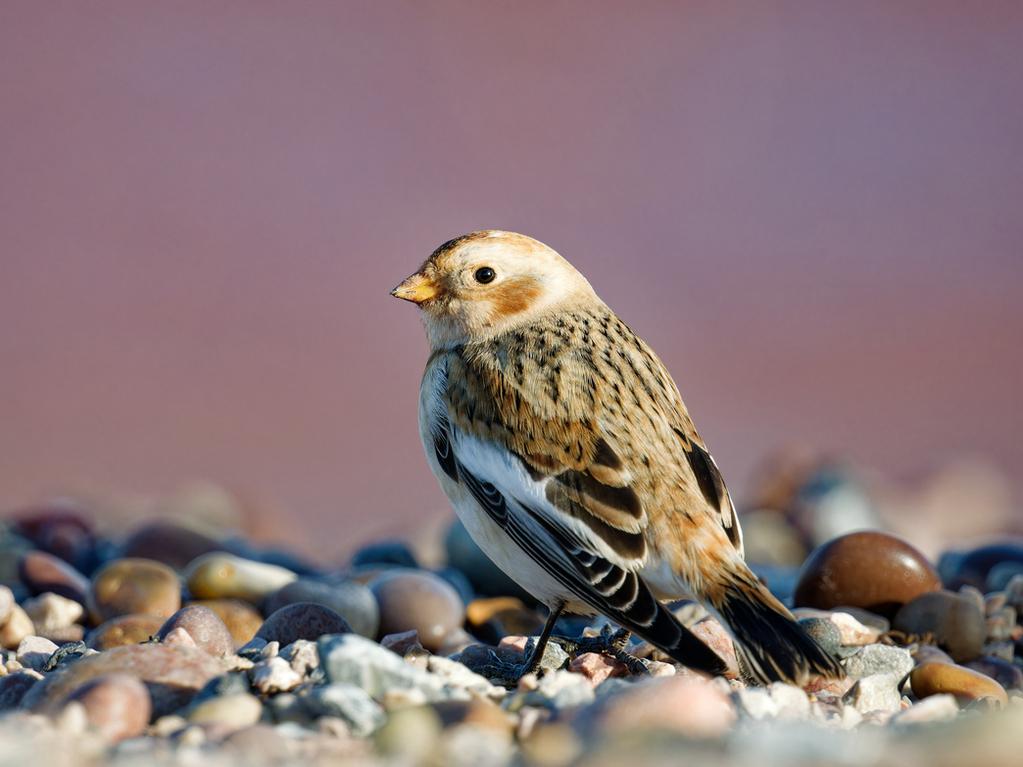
(486, 283)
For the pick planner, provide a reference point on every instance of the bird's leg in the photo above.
(510, 673)
(610, 642)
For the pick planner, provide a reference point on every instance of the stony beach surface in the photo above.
(178, 644)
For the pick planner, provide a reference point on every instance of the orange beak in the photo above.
(417, 289)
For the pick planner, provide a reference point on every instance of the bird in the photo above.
(564, 447)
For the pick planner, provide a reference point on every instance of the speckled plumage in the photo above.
(565, 448)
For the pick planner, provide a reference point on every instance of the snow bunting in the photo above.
(565, 449)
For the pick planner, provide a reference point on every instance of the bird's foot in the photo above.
(502, 672)
(609, 642)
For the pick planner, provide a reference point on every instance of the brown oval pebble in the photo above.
(172, 674)
(871, 570)
(241, 618)
(957, 623)
(420, 600)
(126, 586)
(116, 705)
(302, 620)
(204, 626)
(43, 572)
(124, 630)
(173, 544)
(964, 683)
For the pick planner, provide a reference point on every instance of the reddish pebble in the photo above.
(117, 706)
(870, 570)
(689, 705)
(172, 674)
(597, 667)
(204, 626)
(241, 618)
(43, 572)
(713, 634)
(170, 543)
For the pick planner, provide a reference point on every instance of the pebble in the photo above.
(756, 703)
(124, 630)
(687, 705)
(232, 712)
(34, 651)
(302, 620)
(878, 692)
(853, 632)
(973, 567)
(61, 527)
(870, 570)
(350, 599)
(14, 686)
(174, 544)
(1006, 673)
(353, 659)
(348, 702)
(273, 675)
(927, 653)
(17, 626)
(303, 656)
(964, 683)
(1001, 624)
(420, 600)
(597, 667)
(400, 643)
(55, 616)
(127, 586)
(172, 674)
(385, 553)
(118, 706)
(879, 659)
(241, 618)
(1014, 593)
(219, 575)
(455, 674)
(205, 628)
(7, 603)
(825, 632)
(793, 703)
(42, 572)
(957, 623)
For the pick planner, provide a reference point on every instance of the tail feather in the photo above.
(769, 645)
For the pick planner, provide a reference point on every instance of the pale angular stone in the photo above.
(791, 701)
(936, 708)
(50, 611)
(756, 703)
(853, 632)
(456, 674)
(874, 693)
(34, 651)
(274, 675)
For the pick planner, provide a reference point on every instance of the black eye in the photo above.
(485, 274)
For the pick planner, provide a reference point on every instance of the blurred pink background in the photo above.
(813, 212)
